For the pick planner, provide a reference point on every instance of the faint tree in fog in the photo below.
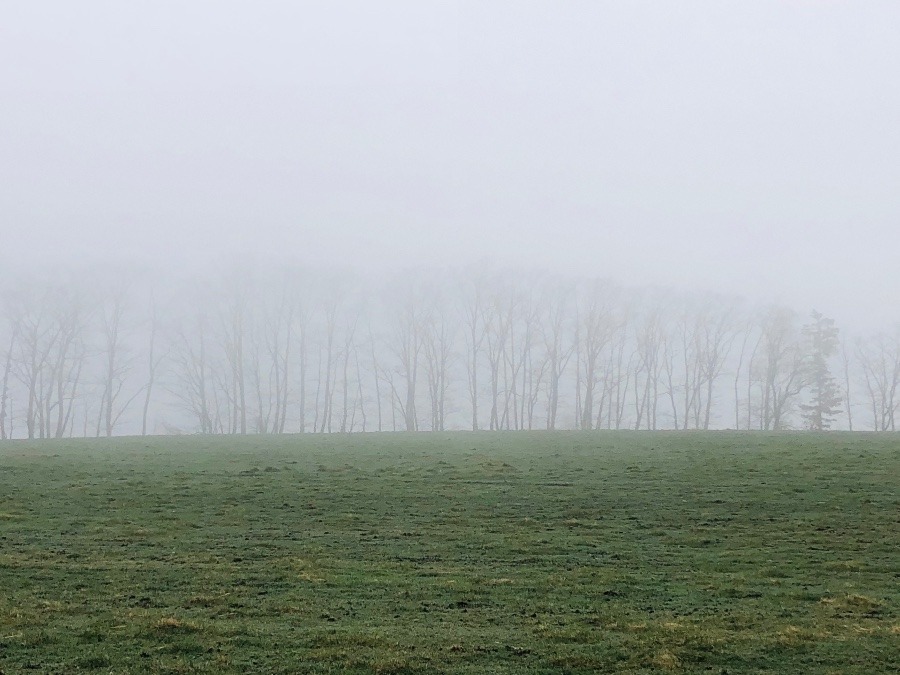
(619, 369)
(558, 344)
(347, 352)
(360, 391)
(696, 350)
(154, 359)
(234, 321)
(117, 364)
(50, 354)
(496, 313)
(66, 363)
(475, 328)
(277, 321)
(846, 363)
(330, 318)
(821, 336)
(534, 358)
(649, 341)
(6, 431)
(302, 326)
(679, 362)
(879, 358)
(437, 340)
(746, 328)
(513, 361)
(718, 331)
(781, 374)
(29, 311)
(405, 344)
(518, 367)
(193, 377)
(377, 375)
(594, 329)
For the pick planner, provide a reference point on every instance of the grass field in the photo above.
(474, 553)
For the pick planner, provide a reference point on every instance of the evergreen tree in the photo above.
(821, 337)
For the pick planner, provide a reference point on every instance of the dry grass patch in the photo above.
(392, 665)
(790, 635)
(666, 660)
(170, 624)
(795, 635)
(849, 565)
(854, 603)
(202, 601)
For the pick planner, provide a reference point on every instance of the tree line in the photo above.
(253, 350)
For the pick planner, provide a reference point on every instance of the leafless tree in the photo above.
(155, 357)
(558, 345)
(192, 370)
(234, 321)
(746, 329)
(879, 359)
(437, 342)
(378, 376)
(649, 341)
(781, 373)
(496, 315)
(49, 353)
(405, 343)
(846, 363)
(5, 431)
(327, 379)
(347, 352)
(595, 328)
(719, 328)
(117, 363)
(475, 329)
(30, 308)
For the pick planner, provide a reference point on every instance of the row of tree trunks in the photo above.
(284, 352)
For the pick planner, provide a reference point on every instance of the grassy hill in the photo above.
(458, 552)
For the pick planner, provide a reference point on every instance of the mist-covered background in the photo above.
(370, 164)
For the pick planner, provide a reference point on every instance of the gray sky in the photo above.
(751, 147)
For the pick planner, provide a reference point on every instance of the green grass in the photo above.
(543, 553)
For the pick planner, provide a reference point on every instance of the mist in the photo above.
(449, 336)
(746, 155)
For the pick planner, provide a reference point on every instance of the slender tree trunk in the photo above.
(4, 388)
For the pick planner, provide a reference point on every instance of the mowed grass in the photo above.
(509, 552)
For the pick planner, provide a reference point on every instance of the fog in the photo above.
(157, 151)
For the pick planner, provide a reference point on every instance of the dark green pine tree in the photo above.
(821, 336)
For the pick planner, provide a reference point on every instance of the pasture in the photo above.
(467, 553)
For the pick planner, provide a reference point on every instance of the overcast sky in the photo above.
(751, 147)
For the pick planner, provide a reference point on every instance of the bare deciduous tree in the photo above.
(781, 374)
(879, 358)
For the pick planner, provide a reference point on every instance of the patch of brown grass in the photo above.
(171, 624)
(392, 665)
(666, 660)
(854, 603)
(851, 565)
